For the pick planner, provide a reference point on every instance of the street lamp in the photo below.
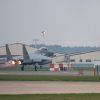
(43, 33)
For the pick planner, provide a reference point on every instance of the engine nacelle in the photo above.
(15, 62)
(19, 62)
(12, 62)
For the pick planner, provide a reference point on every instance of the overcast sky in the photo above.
(66, 22)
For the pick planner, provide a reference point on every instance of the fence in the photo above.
(76, 69)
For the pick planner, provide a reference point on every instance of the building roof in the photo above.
(78, 53)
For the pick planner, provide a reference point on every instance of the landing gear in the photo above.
(40, 67)
(35, 68)
(22, 68)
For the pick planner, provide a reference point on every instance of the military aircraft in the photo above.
(35, 59)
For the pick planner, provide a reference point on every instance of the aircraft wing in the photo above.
(2, 56)
(39, 56)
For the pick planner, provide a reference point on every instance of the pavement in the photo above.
(72, 73)
(40, 87)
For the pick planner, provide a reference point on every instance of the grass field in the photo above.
(48, 78)
(51, 97)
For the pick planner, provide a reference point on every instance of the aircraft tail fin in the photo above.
(9, 56)
(25, 53)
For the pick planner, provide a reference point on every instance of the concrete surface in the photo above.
(38, 87)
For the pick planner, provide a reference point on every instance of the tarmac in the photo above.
(47, 87)
(71, 73)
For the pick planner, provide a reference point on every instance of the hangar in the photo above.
(85, 57)
(78, 58)
(85, 63)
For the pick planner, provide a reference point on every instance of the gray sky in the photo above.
(66, 22)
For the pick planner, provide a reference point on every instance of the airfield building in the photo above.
(85, 58)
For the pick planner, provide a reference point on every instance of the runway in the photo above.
(40, 87)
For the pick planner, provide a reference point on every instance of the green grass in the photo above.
(51, 97)
(48, 78)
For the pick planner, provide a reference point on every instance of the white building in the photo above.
(85, 58)
(79, 59)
